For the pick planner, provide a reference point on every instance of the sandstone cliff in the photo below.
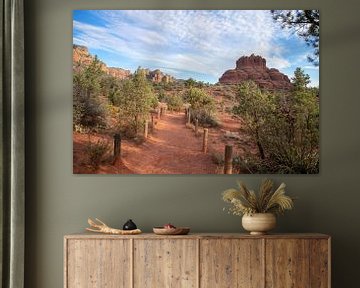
(82, 57)
(254, 68)
(118, 72)
(158, 76)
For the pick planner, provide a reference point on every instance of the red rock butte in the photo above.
(82, 57)
(254, 68)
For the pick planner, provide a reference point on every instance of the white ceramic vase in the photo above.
(259, 223)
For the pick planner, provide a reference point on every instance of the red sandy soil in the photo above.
(80, 161)
(171, 148)
(231, 124)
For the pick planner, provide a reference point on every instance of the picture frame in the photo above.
(141, 76)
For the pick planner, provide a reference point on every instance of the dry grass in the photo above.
(267, 200)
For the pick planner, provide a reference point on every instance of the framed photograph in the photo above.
(196, 91)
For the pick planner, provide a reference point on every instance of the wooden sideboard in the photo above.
(197, 260)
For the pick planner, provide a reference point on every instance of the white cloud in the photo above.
(202, 41)
(314, 83)
(279, 63)
(313, 67)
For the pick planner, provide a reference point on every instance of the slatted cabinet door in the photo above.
(99, 263)
(231, 263)
(297, 263)
(287, 263)
(320, 263)
(165, 263)
(197, 261)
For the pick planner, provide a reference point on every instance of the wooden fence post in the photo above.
(228, 159)
(117, 146)
(146, 129)
(152, 122)
(159, 113)
(196, 127)
(205, 139)
(189, 117)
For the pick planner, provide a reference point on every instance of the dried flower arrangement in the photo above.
(246, 202)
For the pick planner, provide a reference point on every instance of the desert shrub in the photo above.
(199, 99)
(222, 105)
(202, 106)
(129, 129)
(89, 113)
(250, 164)
(160, 94)
(193, 83)
(282, 165)
(295, 149)
(205, 119)
(255, 107)
(96, 152)
(109, 87)
(136, 98)
(174, 102)
(285, 128)
(153, 100)
(219, 160)
(88, 109)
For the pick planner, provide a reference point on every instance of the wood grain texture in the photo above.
(164, 263)
(66, 262)
(231, 263)
(98, 263)
(197, 260)
(287, 263)
(319, 263)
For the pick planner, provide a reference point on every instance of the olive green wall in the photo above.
(59, 202)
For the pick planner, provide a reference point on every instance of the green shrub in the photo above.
(285, 128)
(205, 119)
(88, 109)
(174, 102)
(136, 99)
(202, 106)
(96, 152)
(89, 112)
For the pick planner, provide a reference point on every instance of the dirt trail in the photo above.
(170, 149)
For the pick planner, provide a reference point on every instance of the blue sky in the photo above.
(201, 44)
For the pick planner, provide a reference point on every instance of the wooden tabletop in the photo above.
(89, 235)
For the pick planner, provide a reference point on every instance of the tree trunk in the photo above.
(136, 124)
(261, 150)
(258, 143)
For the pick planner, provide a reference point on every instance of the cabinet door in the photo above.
(287, 263)
(320, 263)
(165, 263)
(231, 263)
(98, 263)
